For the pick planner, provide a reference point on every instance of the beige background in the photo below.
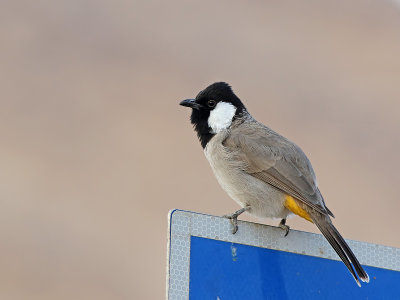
(95, 149)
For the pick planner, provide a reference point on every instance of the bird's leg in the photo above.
(285, 227)
(233, 217)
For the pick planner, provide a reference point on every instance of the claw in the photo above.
(233, 218)
(285, 227)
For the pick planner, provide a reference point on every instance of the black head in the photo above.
(217, 101)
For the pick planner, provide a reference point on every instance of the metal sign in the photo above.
(206, 261)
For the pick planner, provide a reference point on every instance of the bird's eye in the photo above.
(211, 103)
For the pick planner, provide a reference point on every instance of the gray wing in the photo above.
(276, 161)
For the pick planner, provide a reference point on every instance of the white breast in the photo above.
(264, 200)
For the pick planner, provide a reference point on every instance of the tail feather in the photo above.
(340, 246)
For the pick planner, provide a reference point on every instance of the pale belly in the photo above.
(263, 199)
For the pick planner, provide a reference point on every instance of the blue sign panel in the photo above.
(233, 271)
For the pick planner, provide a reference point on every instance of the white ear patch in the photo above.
(221, 116)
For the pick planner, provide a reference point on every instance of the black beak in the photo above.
(190, 103)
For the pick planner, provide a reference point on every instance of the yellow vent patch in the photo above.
(291, 204)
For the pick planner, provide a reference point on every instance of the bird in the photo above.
(265, 173)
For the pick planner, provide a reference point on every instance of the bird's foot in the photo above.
(285, 227)
(233, 218)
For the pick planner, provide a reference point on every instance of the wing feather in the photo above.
(277, 161)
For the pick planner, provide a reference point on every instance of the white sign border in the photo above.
(184, 224)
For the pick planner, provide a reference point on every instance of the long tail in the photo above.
(340, 246)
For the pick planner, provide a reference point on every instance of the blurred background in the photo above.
(95, 149)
